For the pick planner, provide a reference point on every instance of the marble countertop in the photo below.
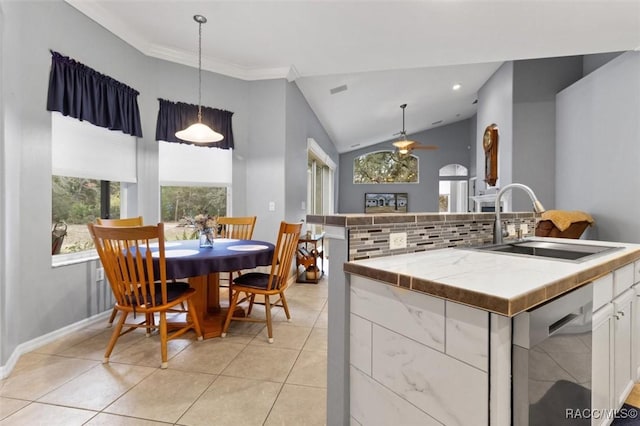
(501, 283)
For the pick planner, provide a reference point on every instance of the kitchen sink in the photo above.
(553, 250)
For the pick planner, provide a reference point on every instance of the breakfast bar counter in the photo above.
(505, 284)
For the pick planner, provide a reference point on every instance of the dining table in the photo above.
(185, 259)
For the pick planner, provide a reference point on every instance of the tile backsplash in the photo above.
(369, 235)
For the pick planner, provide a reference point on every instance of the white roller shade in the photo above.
(182, 165)
(81, 149)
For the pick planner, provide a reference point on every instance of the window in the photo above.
(385, 167)
(193, 180)
(320, 181)
(78, 201)
(453, 190)
(180, 205)
(88, 165)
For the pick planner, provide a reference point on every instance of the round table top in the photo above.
(185, 258)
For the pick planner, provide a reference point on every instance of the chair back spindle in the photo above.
(240, 228)
(286, 247)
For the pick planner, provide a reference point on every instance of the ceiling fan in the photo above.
(405, 146)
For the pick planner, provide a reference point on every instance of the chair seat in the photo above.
(258, 280)
(175, 290)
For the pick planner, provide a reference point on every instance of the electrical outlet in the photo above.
(524, 228)
(272, 206)
(397, 240)
(100, 274)
(511, 229)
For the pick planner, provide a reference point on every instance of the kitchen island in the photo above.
(431, 332)
(425, 337)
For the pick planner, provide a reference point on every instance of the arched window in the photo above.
(453, 170)
(453, 188)
(385, 167)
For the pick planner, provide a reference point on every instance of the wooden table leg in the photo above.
(213, 293)
(207, 301)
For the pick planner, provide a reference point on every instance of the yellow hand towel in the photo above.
(563, 219)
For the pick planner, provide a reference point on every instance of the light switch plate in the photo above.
(397, 240)
(511, 229)
(525, 228)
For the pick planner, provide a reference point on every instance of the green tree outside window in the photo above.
(385, 167)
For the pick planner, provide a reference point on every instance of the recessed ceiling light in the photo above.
(456, 86)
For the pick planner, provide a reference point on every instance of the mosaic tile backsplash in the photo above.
(369, 234)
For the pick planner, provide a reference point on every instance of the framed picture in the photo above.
(386, 202)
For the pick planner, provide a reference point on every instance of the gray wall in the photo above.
(301, 124)
(3, 191)
(495, 105)
(591, 63)
(535, 85)
(597, 148)
(44, 299)
(453, 142)
(265, 164)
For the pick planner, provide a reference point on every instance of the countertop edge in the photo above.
(493, 303)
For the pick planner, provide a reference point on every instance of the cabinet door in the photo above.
(622, 376)
(635, 334)
(601, 361)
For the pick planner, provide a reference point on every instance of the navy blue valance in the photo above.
(175, 116)
(81, 92)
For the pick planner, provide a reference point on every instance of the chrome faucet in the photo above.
(498, 232)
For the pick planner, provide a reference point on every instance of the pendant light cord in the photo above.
(199, 72)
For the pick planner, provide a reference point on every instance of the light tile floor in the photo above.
(239, 380)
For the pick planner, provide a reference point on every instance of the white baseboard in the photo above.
(31, 345)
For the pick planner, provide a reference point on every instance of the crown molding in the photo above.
(101, 16)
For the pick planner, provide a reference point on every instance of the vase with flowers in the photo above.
(206, 226)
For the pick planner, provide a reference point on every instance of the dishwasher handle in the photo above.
(561, 323)
(535, 325)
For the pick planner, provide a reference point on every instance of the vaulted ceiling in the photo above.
(384, 53)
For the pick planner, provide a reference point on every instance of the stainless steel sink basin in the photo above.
(563, 251)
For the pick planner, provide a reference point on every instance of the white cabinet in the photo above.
(623, 279)
(602, 291)
(615, 347)
(601, 357)
(622, 325)
(635, 327)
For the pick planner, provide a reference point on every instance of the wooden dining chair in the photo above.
(127, 257)
(240, 228)
(129, 221)
(269, 284)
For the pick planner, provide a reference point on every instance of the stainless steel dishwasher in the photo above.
(551, 361)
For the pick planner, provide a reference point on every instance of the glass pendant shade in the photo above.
(199, 133)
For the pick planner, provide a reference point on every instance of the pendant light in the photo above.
(199, 132)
